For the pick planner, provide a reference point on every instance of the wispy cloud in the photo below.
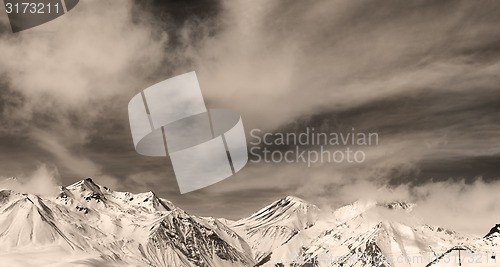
(423, 74)
(43, 181)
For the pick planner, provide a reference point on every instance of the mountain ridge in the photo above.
(87, 224)
(116, 228)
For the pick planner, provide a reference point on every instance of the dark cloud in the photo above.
(422, 74)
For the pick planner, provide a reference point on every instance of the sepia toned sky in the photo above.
(424, 75)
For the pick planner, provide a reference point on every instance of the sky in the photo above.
(423, 75)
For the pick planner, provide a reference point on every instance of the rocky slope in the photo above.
(90, 225)
(290, 232)
(100, 227)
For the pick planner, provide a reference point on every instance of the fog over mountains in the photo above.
(86, 224)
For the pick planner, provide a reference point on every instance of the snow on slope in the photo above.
(275, 224)
(494, 233)
(101, 227)
(90, 225)
(364, 233)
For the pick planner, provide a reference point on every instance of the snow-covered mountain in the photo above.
(274, 225)
(90, 225)
(494, 233)
(291, 232)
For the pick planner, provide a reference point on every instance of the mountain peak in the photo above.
(294, 199)
(87, 189)
(494, 232)
(88, 218)
(87, 182)
(289, 202)
(398, 205)
(291, 212)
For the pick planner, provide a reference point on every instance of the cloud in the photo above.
(418, 76)
(43, 181)
(56, 146)
(63, 77)
(76, 67)
(305, 58)
(459, 206)
(87, 55)
(423, 75)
